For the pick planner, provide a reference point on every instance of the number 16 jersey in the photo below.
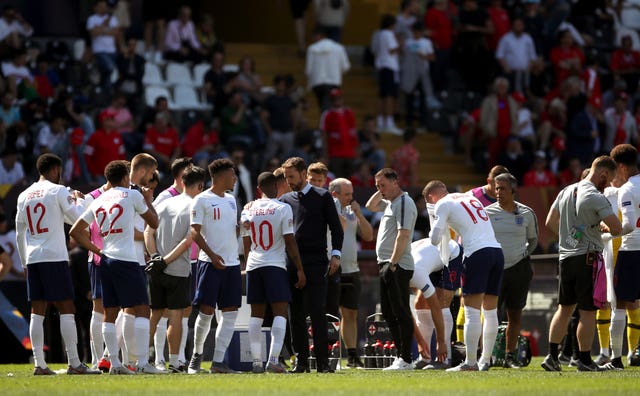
(466, 215)
(270, 221)
(114, 212)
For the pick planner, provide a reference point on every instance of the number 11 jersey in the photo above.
(466, 215)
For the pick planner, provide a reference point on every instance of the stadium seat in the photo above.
(152, 92)
(152, 75)
(199, 71)
(179, 74)
(186, 98)
(230, 68)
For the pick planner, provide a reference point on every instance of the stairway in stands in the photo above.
(360, 93)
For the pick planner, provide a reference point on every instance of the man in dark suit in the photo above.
(313, 210)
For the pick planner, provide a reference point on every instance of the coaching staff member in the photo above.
(516, 230)
(313, 210)
(580, 214)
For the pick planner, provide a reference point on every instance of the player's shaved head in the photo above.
(116, 172)
(267, 182)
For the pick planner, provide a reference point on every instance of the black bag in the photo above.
(522, 352)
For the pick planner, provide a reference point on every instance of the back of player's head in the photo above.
(508, 178)
(625, 154)
(387, 173)
(267, 182)
(116, 171)
(336, 185)
(318, 168)
(604, 162)
(180, 164)
(47, 162)
(497, 170)
(220, 165)
(279, 174)
(295, 162)
(143, 160)
(193, 175)
(432, 186)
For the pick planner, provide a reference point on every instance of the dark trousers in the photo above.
(394, 301)
(312, 301)
(322, 92)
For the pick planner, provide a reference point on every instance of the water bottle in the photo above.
(367, 353)
(387, 354)
(335, 350)
(379, 354)
(312, 357)
(393, 350)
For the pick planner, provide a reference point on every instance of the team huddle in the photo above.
(151, 261)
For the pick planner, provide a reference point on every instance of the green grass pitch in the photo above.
(532, 380)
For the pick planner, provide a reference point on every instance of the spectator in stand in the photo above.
(415, 78)
(567, 59)
(369, 144)
(9, 112)
(149, 118)
(386, 48)
(46, 79)
(105, 34)
(572, 174)
(18, 76)
(553, 123)
(21, 139)
(248, 82)
(514, 158)
(181, 43)
(582, 134)
(534, 24)
(539, 175)
(11, 171)
(472, 57)
(409, 11)
(162, 142)
(621, 126)
(298, 8)
(202, 144)
(625, 62)
(439, 23)
(515, 53)
(326, 62)
(125, 124)
(130, 72)
(234, 123)
(470, 133)
(243, 189)
(362, 176)
(540, 80)
(331, 16)
(524, 129)
(405, 160)
(154, 14)
(53, 138)
(340, 136)
(207, 37)
(217, 84)
(104, 145)
(591, 81)
(500, 21)
(278, 113)
(498, 118)
(13, 29)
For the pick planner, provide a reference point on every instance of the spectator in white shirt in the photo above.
(326, 62)
(181, 43)
(331, 16)
(105, 34)
(620, 124)
(18, 76)
(11, 171)
(13, 28)
(515, 53)
(386, 48)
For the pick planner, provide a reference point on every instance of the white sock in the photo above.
(200, 332)
(183, 340)
(424, 321)
(388, 122)
(472, 331)
(129, 338)
(70, 338)
(173, 360)
(111, 341)
(605, 351)
(36, 332)
(160, 339)
(448, 328)
(278, 330)
(255, 333)
(224, 332)
(120, 336)
(142, 340)
(489, 333)
(618, 317)
(95, 332)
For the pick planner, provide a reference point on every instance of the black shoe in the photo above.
(551, 364)
(299, 369)
(510, 362)
(615, 364)
(590, 367)
(355, 362)
(634, 360)
(325, 370)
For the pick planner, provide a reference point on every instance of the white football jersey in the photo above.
(466, 215)
(629, 204)
(114, 211)
(427, 260)
(43, 208)
(218, 218)
(270, 220)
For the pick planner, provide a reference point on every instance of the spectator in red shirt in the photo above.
(572, 173)
(362, 177)
(162, 142)
(592, 82)
(104, 145)
(439, 23)
(501, 23)
(625, 62)
(539, 175)
(405, 161)
(338, 125)
(567, 59)
(202, 144)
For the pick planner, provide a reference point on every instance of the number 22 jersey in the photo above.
(466, 215)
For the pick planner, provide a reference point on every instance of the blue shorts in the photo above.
(268, 285)
(626, 276)
(482, 272)
(123, 283)
(49, 281)
(221, 288)
(449, 277)
(95, 279)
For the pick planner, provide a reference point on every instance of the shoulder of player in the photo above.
(494, 208)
